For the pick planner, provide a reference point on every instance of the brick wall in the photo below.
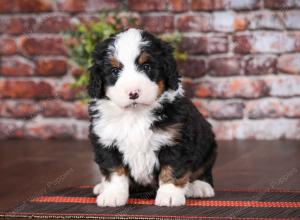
(242, 72)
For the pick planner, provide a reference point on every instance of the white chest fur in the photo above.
(130, 131)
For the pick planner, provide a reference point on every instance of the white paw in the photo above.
(112, 198)
(98, 189)
(170, 195)
(200, 189)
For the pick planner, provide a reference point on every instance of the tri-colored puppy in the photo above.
(143, 129)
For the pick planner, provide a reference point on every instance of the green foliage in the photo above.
(82, 40)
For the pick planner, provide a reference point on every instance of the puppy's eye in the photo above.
(115, 72)
(146, 67)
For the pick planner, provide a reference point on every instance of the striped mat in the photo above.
(79, 202)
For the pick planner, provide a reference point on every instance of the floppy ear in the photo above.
(95, 87)
(169, 67)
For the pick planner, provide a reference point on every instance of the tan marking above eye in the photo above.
(115, 63)
(143, 58)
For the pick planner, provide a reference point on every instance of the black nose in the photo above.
(133, 95)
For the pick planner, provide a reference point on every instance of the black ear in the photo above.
(168, 65)
(95, 87)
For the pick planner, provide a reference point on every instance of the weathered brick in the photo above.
(25, 89)
(8, 6)
(67, 91)
(208, 5)
(291, 107)
(265, 108)
(8, 46)
(51, 66)
(189, 88)
(20, 25)
(225, 66)
(56, 108)
(257, 129)
(80, 110)
(54, 23)
(18, 109)
(10, 128)
(284, 86)
(47, 129)
(266, 20)
(42, 46)
(158, 24)
(289, 63)
(242, 5)
(232, 88)
(82, 130)
(242, 43)
(200, 22)
(229, 22)
(192, 67)
(150, 5)
(204, 45)
(87, 5)
(178, 5)
(291, 20)
(221, 110)
(75, 70)
(260, 65)
(279, 4)
(16, 66)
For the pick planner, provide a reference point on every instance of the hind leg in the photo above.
(202, 187)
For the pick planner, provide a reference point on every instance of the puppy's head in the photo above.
(132, 68)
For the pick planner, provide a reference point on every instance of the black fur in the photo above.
(196, 147)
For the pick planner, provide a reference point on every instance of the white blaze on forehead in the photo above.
(127, 46)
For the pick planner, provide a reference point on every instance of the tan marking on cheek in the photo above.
(161, 87)
(166, 176)
(115, 63)
(143, 58)
(121, 171)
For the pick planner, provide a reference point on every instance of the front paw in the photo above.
(112, 198)
(170, 195)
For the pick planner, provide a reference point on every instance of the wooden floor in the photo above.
(32, 168)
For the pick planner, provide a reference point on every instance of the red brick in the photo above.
(8, 46)
(260, 64)
(20, 25)
(242, 43)
(75, 70)
(189, 88)
(11, 129)
(179, 5)
(158, 24)
(202, 107)
(279, 4)
(68, 92)
(51, 66)
(80, 110)
(50, 129)
(289, 63)
(232, 88)
(265, 108)
(16, 66)
(20, 109)
(204, 45)
(208, 5)
(42, 46)
(284, 86)
(25, 89)
(192, 67)
(225, 66)
(56, 108)
(150, 5)
(87, 5)
(291, 108)
(8, 6)
(221, 110)
(54, 24)
(198, 23)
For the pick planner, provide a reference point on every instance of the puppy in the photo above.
(144, 131)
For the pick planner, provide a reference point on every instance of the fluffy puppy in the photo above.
(144, 131)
